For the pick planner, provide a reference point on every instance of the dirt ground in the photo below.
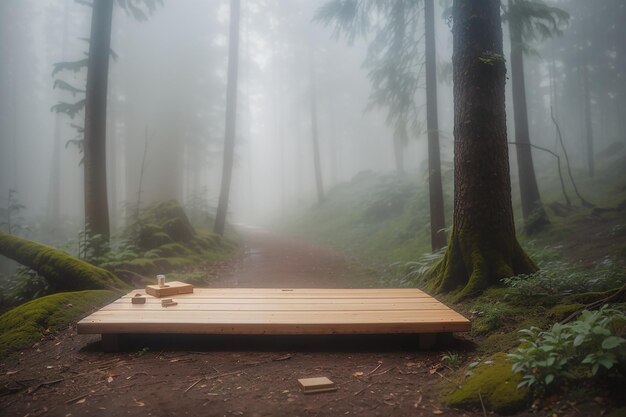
(68, 375)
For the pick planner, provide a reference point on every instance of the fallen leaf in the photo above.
(12, 372)
(82, 400)
(140, 403)
(110, 379)
(357, 374)
(438, 412)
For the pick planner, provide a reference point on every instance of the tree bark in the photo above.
(62, 271)
(483, 247)
(588, 125)
(535, 217)
(435, 188)
(231, 118)
(319, 184)
(96, 201)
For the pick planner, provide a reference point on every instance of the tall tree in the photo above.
(394, 62)
(482, 248)
(319, 184)
(435, 188)
(528, 19)
(94, 147)
(231, 117)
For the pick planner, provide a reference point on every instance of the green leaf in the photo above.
(549, 378)
(579, 340)
(612, 342)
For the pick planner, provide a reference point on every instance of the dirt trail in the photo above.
(68, 375)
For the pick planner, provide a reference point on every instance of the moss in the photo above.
(561, 311)
(26, 324)
(62, 271)
(497, 385)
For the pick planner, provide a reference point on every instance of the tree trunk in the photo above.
(62, 271)
(483, 247)
(588, 126)
(535, 217)
(231, 118)
(314, 136)
(399, 140)
(96, 201)
(435, 189)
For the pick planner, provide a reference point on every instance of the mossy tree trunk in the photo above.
(62, 271)
(535, 217)
(483, 247)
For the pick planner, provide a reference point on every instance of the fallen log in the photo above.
(62, 271)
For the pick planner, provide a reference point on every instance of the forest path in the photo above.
(235, 376)
(271, 260)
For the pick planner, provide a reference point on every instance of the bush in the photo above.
(587, 347)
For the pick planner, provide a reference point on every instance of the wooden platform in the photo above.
(260, 311)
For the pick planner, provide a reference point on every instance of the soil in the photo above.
(68, 375)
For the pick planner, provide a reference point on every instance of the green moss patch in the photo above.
(26, 324)
(497, 385)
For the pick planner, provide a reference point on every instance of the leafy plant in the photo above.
(452, 359)
(489, 317)
(584, 348)
(561, 278)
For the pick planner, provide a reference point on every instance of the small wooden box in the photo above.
(138, 299)
(315, 385)
(170, 288)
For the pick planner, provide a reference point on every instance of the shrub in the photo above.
(584, 348)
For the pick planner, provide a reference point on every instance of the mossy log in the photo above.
(62, 271)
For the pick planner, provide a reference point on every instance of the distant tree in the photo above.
(94, 104)
(94, 146)
(482, 248)
(319, 184)
(395, 64)
(435, 188)
(528, 20)
(231, 117)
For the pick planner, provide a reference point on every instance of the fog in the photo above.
(166, 103)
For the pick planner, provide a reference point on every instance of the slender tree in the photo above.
(482, 248)
(435, 189)
(528, 20)
(231, 117)
(96, 200)
(319, 184)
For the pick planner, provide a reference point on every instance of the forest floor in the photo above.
(67, 374)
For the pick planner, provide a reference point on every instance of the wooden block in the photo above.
(138, 299)
(171, 288)
(315, 385)
(168, 302)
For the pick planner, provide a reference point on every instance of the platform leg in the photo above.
(111, 342)
(445, 340)
(426, 341)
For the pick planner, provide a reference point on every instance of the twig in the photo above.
(480, 397)
(569, 171)
(618, 292)
(80, 397)
(364, 389)
(45, 384)
(225, 374)
(375, 369)
(194, 384)
(384, 372)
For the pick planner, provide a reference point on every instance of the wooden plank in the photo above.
(271, 329)
(280, 311)
(315, 385)
(184, 305)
